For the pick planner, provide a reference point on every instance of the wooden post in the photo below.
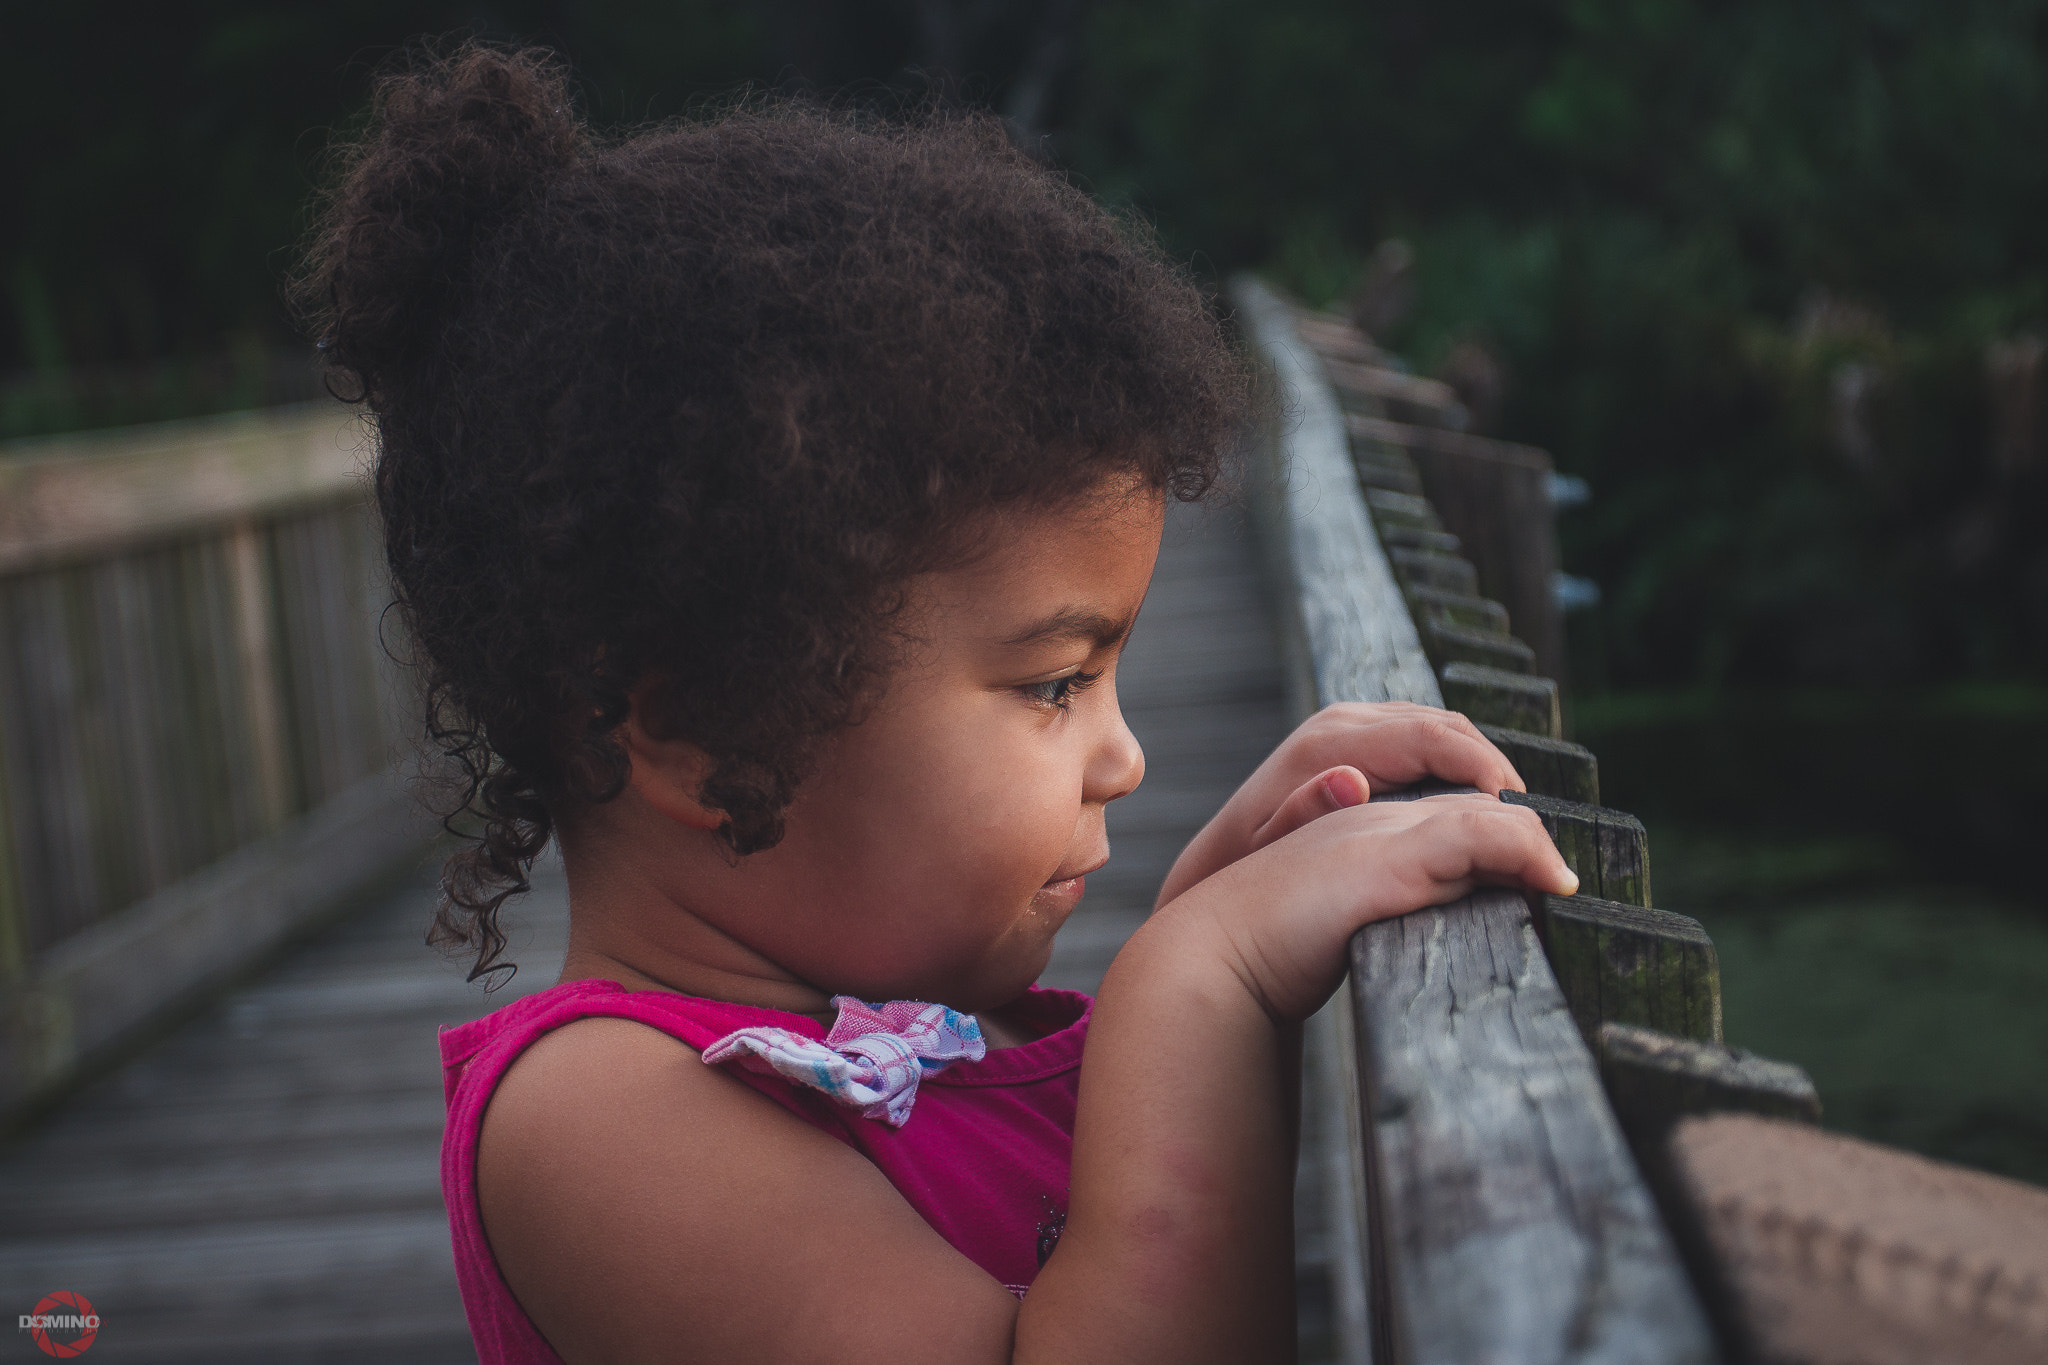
(1513, 701)
(1607, 848)
(1447, 643)
(1655, 1082)
(1458, 608)
(1655, 1079)
(13, 922)
(1495, 496)
(268, 755)
(1625, 964)
(1550, 767)
(1401, 509)
(1426, 568)
(1336, 339)
(1394, 477)
(1372, 388)
(1397, 537)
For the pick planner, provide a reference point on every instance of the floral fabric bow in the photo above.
(872, 1059)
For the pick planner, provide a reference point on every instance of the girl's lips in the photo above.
(1070, 886)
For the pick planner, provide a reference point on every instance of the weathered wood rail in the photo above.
(196, 719)
(1535, 1146)
(1495, 1211)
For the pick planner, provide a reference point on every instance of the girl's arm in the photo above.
(645, 1207)
(1184, 1148)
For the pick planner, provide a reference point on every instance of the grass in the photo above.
(1920, 1009)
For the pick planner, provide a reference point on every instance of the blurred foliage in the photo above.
(1875, 786)
(1916, 1010)
(1768, 272)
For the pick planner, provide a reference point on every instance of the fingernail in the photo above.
(1343, 788)
(1573, 878)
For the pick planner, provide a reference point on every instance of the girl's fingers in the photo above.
(1492, 843)
(1331, 790)
(1396, 748)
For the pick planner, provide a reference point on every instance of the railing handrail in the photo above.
(1503, 1218)
(198, 720)
(81, 496)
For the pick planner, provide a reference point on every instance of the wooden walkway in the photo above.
(263, 1185)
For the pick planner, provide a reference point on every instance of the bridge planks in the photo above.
(263, 1185)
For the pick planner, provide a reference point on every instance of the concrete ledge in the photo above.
(99, 990)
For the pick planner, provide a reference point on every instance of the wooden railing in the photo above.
(1533, 1144)
(1484, 1203)
(197, 726)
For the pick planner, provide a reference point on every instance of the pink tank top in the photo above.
(984, 1157)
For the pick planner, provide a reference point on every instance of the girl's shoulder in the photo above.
(690, 1019)
(612, 1165)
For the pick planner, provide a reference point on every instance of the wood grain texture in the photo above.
(1608, 849)
(1512, 701)
(1624, 964)
(1511, 1224)
(1552, 767)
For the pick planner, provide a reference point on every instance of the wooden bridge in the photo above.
(1523, 1141)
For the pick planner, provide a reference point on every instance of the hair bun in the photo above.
(453, 142)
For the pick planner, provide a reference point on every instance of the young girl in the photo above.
(768, 499)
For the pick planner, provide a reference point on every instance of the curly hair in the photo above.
(679, 413)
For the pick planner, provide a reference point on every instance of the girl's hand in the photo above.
(1281, 916)
(1384, 744)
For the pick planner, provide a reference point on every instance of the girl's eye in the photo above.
(1060, 692)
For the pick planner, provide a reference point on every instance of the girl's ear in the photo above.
(668, 774)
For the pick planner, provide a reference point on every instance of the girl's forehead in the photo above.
(1054, 567)
(1105, 529)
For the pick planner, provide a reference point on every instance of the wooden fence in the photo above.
(1533, 1144)
(197, 718)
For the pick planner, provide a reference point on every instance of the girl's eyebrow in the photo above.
(1075, 623)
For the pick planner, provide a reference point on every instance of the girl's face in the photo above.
(943, 840)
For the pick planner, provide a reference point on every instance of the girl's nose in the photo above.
(1117, 765)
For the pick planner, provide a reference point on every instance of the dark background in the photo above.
(1769, 274)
